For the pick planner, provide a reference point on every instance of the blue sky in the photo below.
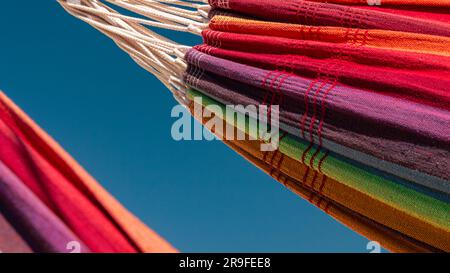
(114, 118)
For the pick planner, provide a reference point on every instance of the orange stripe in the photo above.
(395, 40)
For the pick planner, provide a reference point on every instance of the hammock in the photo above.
(362, 90)
(50, 204)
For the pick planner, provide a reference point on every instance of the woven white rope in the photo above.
(157, 54)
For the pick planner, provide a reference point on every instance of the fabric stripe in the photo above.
(405, 142)
(312, 13)
(10, 240)
(102, 223)
(393, 40)
(409, 201)
(43, 230)
(227, 92)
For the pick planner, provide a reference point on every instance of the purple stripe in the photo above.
(42, 229)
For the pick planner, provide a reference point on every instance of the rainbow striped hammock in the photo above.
(362, 90)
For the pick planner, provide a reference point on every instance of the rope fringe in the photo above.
(158, 55)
